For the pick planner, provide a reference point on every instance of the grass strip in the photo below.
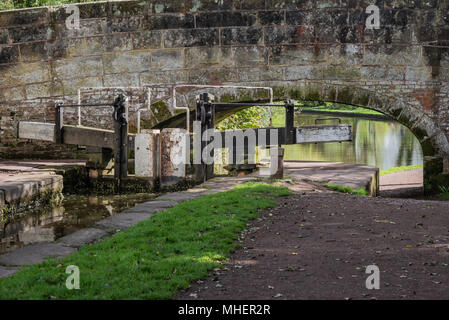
(360, 192)
(399, 169)
(155, 258)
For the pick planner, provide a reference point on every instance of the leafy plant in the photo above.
(444, 195)
(6, 5)
(253, 117)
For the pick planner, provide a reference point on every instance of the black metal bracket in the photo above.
(205, 113)
(119, 113)
(121, 139)
(120, 130)
(290, 132)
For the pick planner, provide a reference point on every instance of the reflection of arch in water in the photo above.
(374, 140)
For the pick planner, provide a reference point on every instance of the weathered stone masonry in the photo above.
(311, 50)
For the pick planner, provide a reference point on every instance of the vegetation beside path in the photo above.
(400, 169)
(19, 4)
(155, 258)
(346, 189)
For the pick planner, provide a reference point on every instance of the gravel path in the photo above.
(316, 244)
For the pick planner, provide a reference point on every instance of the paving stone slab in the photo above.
(122, 220)
(178, 196)
(7, 271)
(35, 253)
(83, 236)
(349, 175)
(196, 190)
(153, 206)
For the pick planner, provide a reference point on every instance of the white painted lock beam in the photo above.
(324, 133)
(147, 154)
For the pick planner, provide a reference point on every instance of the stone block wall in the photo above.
(304, 49)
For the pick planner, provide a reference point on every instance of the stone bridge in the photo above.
(305, 49)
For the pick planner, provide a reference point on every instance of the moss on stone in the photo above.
(102, 186)
(312, 95)
(330, 94)
(76, 180)
(363, 100)
(279, 93)
(433, 174)
(129, 8)
(160, 110)
(403, 119)
(419, 133)
(227, 97)
(345, 95)
(396, 113)
(433, 183)
(296, 94)
(18, 208)
(427, 148)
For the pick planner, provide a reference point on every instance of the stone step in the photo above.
(83, 236)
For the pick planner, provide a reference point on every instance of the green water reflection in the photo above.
(380, 143)
(76, 212)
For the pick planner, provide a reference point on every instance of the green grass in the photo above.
(359, 192)
(155, 258)
(330, 107)
(399, 169)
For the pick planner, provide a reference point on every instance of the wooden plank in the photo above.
(86, 136)
(324, 133)
(37, 131)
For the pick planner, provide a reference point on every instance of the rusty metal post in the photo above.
(58, 123)
(205, 112)
(210, 124)
(290, 133)
(173, 155)
(121, 139)
(277, 159)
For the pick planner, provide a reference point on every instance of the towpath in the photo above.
(317, 244)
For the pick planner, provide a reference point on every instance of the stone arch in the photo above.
(434, 143)
(307, 49)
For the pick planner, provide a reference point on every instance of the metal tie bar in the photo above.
(83, 105)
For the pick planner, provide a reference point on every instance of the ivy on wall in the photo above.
(253, 117)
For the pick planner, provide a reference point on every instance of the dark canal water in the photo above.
(76, 212)
(380, 143)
